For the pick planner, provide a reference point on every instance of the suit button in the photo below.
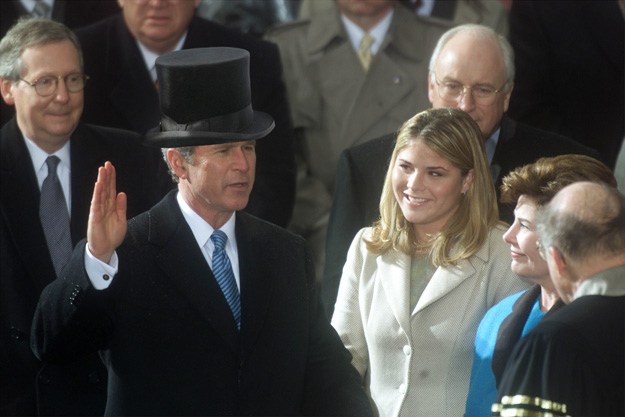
(94, 378)
(44, 379)
(424, 373)
(17, 334)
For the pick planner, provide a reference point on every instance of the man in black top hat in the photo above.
(188, 324)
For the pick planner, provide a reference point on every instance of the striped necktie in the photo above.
(222, 269)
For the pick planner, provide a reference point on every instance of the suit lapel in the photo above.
(132, 91)
(21, 210)
(394, 273)
(443, 282)
(182, 262)
(256, 279)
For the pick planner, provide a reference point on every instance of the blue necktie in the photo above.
(222, 269)
(54, 217)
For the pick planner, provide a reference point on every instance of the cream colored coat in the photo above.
(419, 363)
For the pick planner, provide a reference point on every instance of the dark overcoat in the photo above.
(169, 338)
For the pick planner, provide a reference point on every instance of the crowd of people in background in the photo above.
(312, 207)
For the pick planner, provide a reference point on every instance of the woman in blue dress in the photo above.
(530, 187)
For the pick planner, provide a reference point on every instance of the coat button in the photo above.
(407, 350)
(44, 379)
(94, 378)
(17, 334)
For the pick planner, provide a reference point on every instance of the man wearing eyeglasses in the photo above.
(49, 162)
(472, 69)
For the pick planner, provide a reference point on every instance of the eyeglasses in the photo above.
(453, 91)
(46, 86)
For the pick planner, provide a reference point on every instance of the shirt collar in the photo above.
(30, 5)
(150, 57)
(610, 283)
(38, 156)
(355, 33)
(200, 228)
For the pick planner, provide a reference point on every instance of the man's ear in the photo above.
(431, 87)
(558, 260)
(177, 162)
(7, 94)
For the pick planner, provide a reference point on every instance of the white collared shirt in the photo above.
(355, 33)
(202, 232)
(150, 57)
(30, 6)
(608, 283)
(63, 171)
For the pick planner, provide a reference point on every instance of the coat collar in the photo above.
(394, 271)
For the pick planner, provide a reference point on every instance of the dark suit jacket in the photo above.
(120, 93)
(169, 337)
(570, 66)
(360, 178)
(27, 387)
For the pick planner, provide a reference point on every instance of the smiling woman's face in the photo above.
(427, 187)
(522, 237)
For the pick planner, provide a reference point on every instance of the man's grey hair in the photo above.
(187, 153)
(31, 32)
(483, 33)
(580, 233)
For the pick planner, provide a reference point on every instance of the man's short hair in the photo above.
(186, 152)
(580, 233)
(29, 32)
(481, 32)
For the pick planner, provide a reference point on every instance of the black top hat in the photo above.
(205, 99)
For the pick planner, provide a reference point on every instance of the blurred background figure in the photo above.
(531, 187)
(253, 17)
(417, 283)
(570, 60)
(572, 362)
(491, 13)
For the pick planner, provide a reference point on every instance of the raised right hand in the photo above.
(107, 215)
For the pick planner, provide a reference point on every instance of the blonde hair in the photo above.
(453, 135)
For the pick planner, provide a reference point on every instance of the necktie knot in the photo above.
(53, 163)
(219, 239)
